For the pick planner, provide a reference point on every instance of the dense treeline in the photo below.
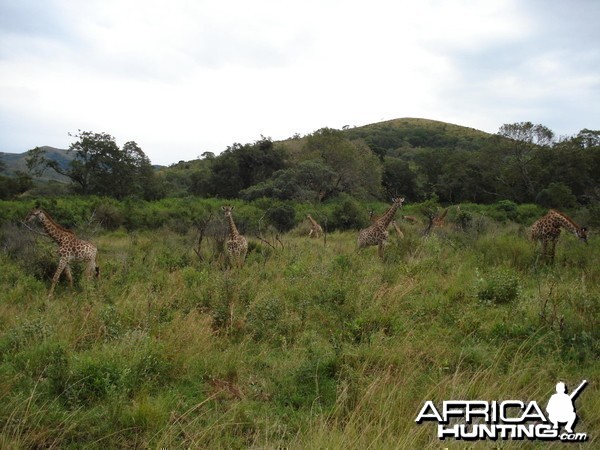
(523, 163)
(419, 159)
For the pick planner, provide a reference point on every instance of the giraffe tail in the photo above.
(97, 272)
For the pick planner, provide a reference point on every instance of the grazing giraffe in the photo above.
(70, 248)
(440, 220)
(411, 219)
(377, 233)
(237, 245)
(315, 228)
(547, 231)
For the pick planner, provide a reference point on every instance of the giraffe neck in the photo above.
(565, 222)
(312, 221)
(232, 228)
(385, 220)
(54, 230)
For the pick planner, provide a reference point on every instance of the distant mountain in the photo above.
(14, 162)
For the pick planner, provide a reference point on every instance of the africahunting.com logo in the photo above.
(508, 419)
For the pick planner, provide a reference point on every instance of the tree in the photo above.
(357, 169)
(587, 138)
(522, 140)
(242, 166)
(100, 167)
(399, 179)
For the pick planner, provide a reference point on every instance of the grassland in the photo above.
(307, 346)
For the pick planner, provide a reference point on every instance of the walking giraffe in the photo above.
(315, 228)
(70, 248)
(377, 233)
(547, 231)
(237, 245)
(440, 220)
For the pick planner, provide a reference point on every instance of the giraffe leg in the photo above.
(310, 233)
(381, 248)
(552, 251)
(544, 250)
(69, 275)
(61, 266)
(91, 269)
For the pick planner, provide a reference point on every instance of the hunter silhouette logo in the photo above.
(560, 406)
(507, 419)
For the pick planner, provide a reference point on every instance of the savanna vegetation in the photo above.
(311, 343)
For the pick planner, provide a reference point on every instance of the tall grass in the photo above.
(306, 346)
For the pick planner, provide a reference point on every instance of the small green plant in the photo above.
(498, 287)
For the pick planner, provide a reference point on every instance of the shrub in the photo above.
(347, 215)
(504, 210)
(501, 286)
(109, 216)
(282, 217)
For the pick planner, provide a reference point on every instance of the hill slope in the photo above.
(17, 162)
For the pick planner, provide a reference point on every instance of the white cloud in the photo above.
(186, 76)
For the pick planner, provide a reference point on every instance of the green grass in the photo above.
(306, 346)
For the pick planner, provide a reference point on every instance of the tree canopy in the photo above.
(100, 167)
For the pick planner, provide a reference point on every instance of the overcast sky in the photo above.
(182, 77)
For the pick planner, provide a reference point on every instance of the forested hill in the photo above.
(393, 134)
(386, 137)
(417, 158)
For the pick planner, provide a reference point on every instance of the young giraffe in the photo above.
(70, 248)
(377, 233)
(237, 245)
(547, 231)
(315, 228)
(440, 220)
(398, 230)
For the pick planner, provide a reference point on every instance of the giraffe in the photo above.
(377, 233)
(237, 245)
(398, 230)
(547, 230)
(411, 219)
(440, 220)
(375, 217)
(315, 228)
(70, 248)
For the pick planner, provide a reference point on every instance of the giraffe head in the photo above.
(227, 209)
(35, 213)
(398, 201)
(581, 233)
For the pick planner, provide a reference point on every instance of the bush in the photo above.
(502, 286)
(504, 210)
(347, 215)
(282, 217)
(109, 216)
